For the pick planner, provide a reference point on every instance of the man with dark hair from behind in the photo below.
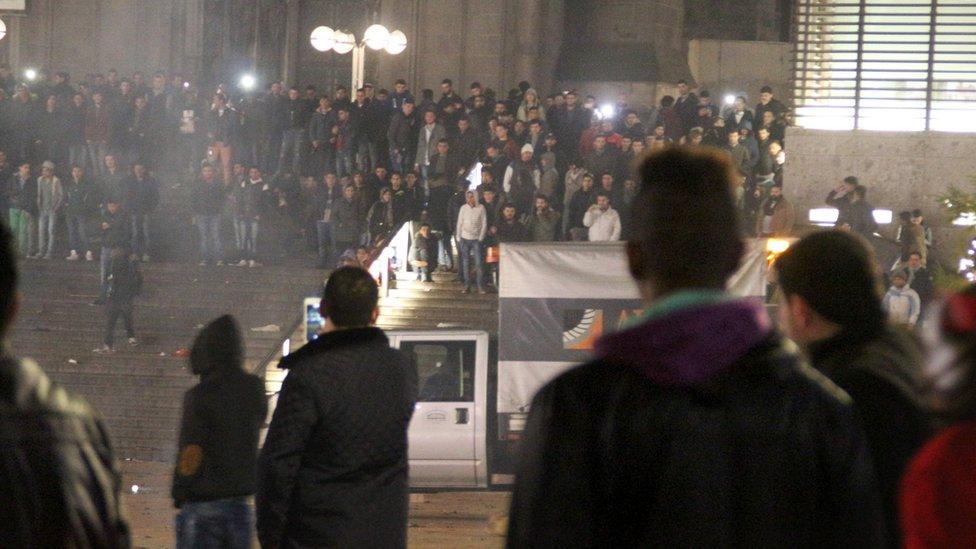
(696, 426)
(218, 444)
(59, 477)
(333, 471)
(833, 310)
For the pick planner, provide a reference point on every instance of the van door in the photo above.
(447, 431)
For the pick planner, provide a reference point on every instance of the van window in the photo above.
(445, 369)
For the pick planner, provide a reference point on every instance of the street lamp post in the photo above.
(376, 37)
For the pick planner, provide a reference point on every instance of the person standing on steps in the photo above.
(124, 284)
(218, 443)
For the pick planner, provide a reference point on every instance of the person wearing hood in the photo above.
(901, 302)
(829, 305)
(218, 442)
(697, 425)
(529, 100)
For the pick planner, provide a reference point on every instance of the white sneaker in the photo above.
(242, 263)
(133, 341)
(253, 263)
(103, 350)
(73, 257)
(220, 263)
(89, 256)
(145, 258)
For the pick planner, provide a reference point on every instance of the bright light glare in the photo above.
(248, 82)
(397, 43)
(323, 38)
(777, 245)
(344, 42)
(376, 37)
(30, 74)
(135, 488)
(967, 219)
(608, 110)
(729, 99)
(3, 29)
(186, 84)
(823, 216)
(882, 216)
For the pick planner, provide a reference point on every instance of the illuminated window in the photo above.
(906, 65)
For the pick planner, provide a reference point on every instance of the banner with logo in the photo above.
(556, 300)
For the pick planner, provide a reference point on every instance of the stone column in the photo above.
(292, 40)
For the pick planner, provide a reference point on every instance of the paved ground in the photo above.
(441, 520)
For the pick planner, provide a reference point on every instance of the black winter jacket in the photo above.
(60, 481)
(333, 470)
(765, 454)
(222, 416)
(882, 373)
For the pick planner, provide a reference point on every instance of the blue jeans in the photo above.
(397, 160)
(366, 156)
(210, 248)
(246, 234)
(105, 264)
(77, 235)
(97, 153)
(140, 233)
(467, 249)
(45, 233)
(218, 524)
(344, 165)
(445, 252)
(78, 156)
(292, 142)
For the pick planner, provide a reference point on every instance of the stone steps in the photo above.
(139, 390)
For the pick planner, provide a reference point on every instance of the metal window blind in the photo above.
(907, 65)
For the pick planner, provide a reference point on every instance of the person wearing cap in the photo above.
(938, 492)
(50, 197)
(829, 305)
(522, 180)
(695, 425)
(769, 103)
(901, 302)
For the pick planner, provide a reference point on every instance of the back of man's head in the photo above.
(350, 298)
(685, 223)
(833, 271)
(8, 278)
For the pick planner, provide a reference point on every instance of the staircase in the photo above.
(428, 305)
(139, 390)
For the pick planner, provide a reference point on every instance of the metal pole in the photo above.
(358, 66)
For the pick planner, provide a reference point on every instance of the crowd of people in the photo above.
(275, 168)
(698, 425)
(911, 285)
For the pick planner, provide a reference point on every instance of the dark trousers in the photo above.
(116, 311)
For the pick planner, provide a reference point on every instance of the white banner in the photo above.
(545, 287)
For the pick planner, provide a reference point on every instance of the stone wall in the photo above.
(83, 36)
(902, 170)
(741, 68)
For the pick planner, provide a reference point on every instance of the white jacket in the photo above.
(903, 305)
(604, 225)
(472, 223)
